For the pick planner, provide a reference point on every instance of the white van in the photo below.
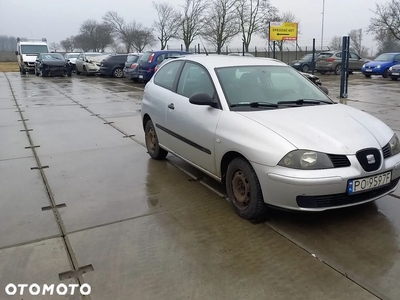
(27, 51)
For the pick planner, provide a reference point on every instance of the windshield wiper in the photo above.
(305, 101)
(255, 104)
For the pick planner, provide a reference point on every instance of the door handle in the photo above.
(171, 106)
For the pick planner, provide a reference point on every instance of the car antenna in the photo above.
(205, 50)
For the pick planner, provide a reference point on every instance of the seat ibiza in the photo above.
(270, 135)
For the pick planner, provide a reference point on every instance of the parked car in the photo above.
(394, 72)
(381, 65)
(269, 134)
(87, 63)
(331, 61)
(304, 64)
(150, 59)
(130, 69)
(240, 54)
(52, 64)
(113, 65)
(71, 57)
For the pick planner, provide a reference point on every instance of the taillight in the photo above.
(155, 68)
(331, 59)
(133, 66)
(151, 58)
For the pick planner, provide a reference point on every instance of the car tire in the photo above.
(85, 72)
(22, 71)
(394, 78)
(244, 190)
(367, 75)
(36, 72)
(305, 68)
(338, 69)
(385, 73)
(152, 145)
(118, 73)
(77, 72)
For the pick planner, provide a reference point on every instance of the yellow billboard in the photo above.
(283, 31)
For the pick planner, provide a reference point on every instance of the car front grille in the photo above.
(339, 161)
(386, 151)
(369, 159)
(342, 199)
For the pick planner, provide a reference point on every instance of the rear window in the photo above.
(132, 58)
(146, 56)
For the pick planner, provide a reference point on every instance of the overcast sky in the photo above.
(55, 19)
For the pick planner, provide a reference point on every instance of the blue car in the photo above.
(381, 65)
(150, 59)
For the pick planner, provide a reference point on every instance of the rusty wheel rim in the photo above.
(241, 189)
(151, 140)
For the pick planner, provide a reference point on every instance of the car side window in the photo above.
(353, 55)
(339, 55)
(195, 79)
(160, 58)
(166, 76)
(397, 58)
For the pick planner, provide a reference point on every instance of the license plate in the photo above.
(368, 70)
(396, 74)
(140, 76)
(368, 183)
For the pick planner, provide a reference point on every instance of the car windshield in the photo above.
(132, 58)
(385, 57)
(52, 56)
(34, 49)
(325, 55)
(94, 54)
(75, 55)
(267, 84)
(307, 57)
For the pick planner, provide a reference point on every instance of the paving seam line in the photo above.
(70, 253)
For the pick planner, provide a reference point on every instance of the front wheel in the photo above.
(305, 69)
(244, 190)
(367, 75)
(152, 145)
(118, 73)
(385, 74)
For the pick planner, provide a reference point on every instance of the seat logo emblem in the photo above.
(370, 159)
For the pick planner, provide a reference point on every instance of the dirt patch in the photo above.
(9, 67)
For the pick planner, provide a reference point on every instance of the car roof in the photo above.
(219, 61)
(167, 51)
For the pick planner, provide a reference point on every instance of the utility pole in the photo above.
(323, 21)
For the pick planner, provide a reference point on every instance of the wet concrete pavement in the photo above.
(80, 194)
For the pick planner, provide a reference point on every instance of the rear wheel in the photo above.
(305, 68)
(118, 73)
(153, 148)
(244, 190)
(338, 69)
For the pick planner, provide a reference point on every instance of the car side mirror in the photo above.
(202, 99)
(16, 53)
(324, 89)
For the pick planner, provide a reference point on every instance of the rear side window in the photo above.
(132, 58)
(325, 55)
(166, 76)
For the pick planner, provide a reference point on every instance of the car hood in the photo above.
(29, 57)
(377, 63)
(333, 129)
(54, 63)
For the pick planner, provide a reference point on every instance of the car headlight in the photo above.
(391, 68)
(378, 66)
(394, 144)
(306, 160)
(363, 66)
(297, 64)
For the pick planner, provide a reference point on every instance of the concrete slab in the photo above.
(53, 114)
(130, 124)
(114, 109)
(22, 196)
(362, 242)
(9, 117)
(13, 142)
(121, 183)
(88, 134)
(38, 263)
(203, 251)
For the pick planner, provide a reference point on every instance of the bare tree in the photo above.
(387, 18)
(192, 20)
(386, 41)
(336, 43)
(54, 46)
(356, 37)
(142, 37)
(221, 24)
(68, 44)
(94, 36)
(121, 29)
(167, 24)
(253, 15)
(8, 43)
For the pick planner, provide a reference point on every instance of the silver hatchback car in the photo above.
(268, 134)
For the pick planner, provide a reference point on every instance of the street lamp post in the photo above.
(323, 21)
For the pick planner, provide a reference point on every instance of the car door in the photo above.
(192, 127)
(37, 63)
(355, 61)
(79, 63)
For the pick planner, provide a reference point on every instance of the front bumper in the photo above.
(131, 73)
(321, 190)
(372, 71)
(394, 73)
(92, 68)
